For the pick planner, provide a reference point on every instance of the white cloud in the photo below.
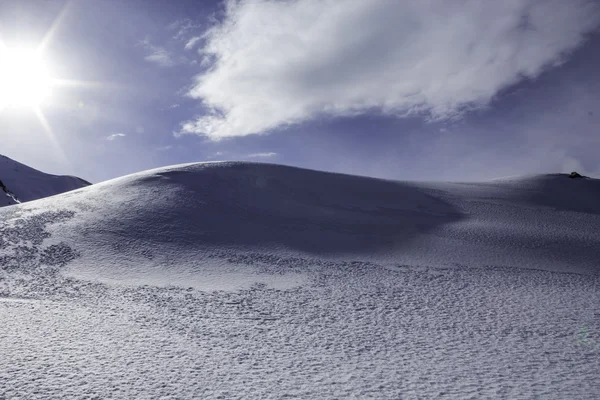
(114, 136)
(280, 63)
(157, 55)
(192, 42)
(262, 155)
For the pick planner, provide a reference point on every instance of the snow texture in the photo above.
(20, 183)
(247, 280)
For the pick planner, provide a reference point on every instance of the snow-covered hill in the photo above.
(20, 183)
(247, 280)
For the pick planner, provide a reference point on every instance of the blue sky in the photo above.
(418, 90)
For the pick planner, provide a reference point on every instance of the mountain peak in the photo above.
(20, 183)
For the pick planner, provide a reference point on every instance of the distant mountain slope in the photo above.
(20, 183)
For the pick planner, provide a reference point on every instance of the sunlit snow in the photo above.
(248, 280)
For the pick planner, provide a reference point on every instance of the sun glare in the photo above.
(24, 78)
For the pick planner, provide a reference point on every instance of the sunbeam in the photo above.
(78, 83)
(28, 80)
(53, 28)
(48, 130)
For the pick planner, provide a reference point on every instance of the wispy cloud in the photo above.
(184, 28)
(157, 55)
(219, 155)
(192, 42)
(164, 148)
(114, 136)
(262, 155)
(281, 63)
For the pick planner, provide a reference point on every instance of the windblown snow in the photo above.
(247, 280)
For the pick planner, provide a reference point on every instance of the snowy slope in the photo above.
(22, 183)
(247, 280)
(545, 222)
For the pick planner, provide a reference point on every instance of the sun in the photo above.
(25, 80)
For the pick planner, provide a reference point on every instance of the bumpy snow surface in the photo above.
(21, 183)
(257, 281)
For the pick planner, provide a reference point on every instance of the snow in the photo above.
(249, 280)
(23, 183)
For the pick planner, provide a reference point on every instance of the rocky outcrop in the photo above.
(574, 175)
(11, 197)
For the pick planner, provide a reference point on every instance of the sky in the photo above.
(456, 90)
